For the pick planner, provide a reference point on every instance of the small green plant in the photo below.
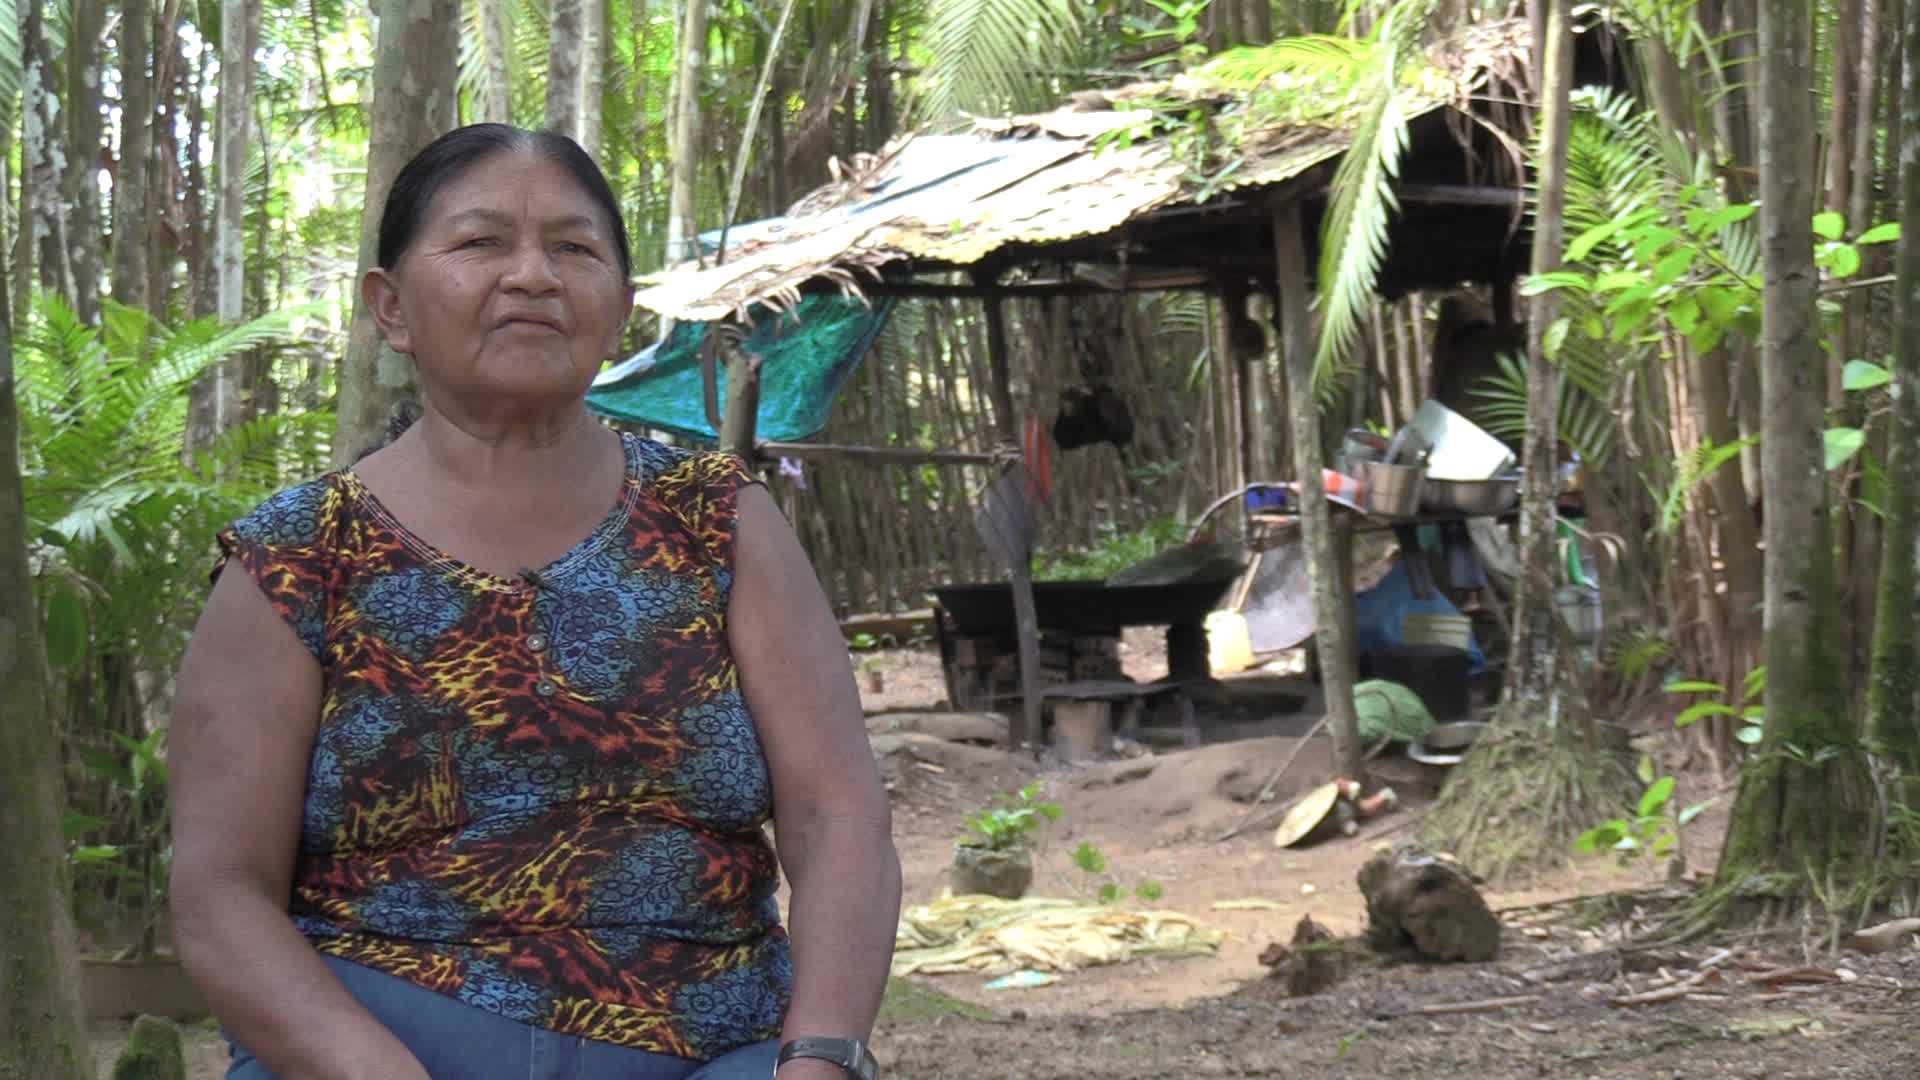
(1094, 861)
(1651, 832)
(1748, 708)
(135, 870)
(1011, 821)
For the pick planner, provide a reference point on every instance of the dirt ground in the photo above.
(1545, 1008)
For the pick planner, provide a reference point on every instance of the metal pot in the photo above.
(1472, 497)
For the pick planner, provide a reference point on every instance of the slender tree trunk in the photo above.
(202, 298)
(130, 236)
(1330, 629)
(1533, 657)
(43, 1027)
(496, 102)
(683, 146)
(566, 48)
(42, 217)
(1800, 810)
(595, 33)
(414, 99)
(1893, 714)
(80, 188)
(1742, 571)
(239, 33)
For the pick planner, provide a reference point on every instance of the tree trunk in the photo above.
(414, 98)
(595, 33)
(1533, 656)
(1800, 810)
(130, 239)
(216, 393)
(42, 224)
(1541, 773)
(566, 48)
(80, 188)
(1893, 716)
(42, 1029)
(1739, 537)
(496, 99)
(1330, 639)
(683, 145)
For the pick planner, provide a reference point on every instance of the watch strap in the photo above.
(851, 1055)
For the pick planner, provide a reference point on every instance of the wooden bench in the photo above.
(1083, 713)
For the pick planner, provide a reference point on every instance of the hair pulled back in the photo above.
(448, 157)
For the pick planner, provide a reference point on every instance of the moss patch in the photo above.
(908, 1002)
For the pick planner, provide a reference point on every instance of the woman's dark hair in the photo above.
(446, 158)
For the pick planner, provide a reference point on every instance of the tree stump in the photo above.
(1422, 903)
(1315, 961)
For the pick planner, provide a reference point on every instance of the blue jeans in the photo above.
(456, 1041)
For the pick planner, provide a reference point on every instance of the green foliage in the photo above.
(154, 1051)
(1651, 831)
(990, 56)
(1092, 860)
(1010, 821)
(1117, 550)
(1748, 707)
(135, 871)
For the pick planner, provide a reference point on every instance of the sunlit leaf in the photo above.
(1841, 444)
(1829, 225)
(1864, 375)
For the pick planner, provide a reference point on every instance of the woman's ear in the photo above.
(381, 293)
(620, 331)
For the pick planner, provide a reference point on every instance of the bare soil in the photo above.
(1159, 817)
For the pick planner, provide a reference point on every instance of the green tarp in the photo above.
(806, 356)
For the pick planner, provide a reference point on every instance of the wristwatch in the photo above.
(851, 1055)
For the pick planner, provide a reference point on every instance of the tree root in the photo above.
(1522, 797)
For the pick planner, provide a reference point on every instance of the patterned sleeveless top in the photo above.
(545, 800)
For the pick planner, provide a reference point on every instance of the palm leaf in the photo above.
(992, 56)
(1353, 242)
(1586, 425)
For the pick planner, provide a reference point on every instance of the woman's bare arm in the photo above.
(832, 825)
(245, 714)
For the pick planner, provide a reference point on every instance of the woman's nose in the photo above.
(530, 269)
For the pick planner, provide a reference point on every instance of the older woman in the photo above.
(471, 758)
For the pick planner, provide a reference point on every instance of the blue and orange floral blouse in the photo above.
(542, 798)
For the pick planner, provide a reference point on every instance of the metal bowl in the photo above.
(1446, 744)
(1472, 497)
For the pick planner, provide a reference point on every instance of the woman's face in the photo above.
(510, 292)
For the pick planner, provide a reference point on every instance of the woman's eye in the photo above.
(572, 248)
(477, 241)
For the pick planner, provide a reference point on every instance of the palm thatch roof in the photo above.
(1118, 186)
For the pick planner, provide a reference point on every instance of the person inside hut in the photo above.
(475, 741)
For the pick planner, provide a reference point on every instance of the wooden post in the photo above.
(743, 401)
(1026, 620)
(1331, 611)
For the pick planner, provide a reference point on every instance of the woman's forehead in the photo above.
(503, 186)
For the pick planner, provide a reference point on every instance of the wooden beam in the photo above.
(870, 455)
(1026, 618)
(1159, 282)
(1461, 195)
(743, 401)
(1324, 562)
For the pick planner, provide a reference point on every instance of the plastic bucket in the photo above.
(1229, 646)
(1453, 631)
(1580, 607)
